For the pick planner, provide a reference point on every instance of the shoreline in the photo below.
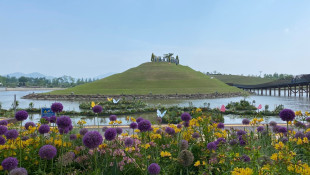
(30, 89)
(129, 97)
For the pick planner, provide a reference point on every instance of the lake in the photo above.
(294, 103)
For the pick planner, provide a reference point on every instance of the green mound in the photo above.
(244, 80)
(155, 78)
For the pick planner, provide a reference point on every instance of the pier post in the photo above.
(295, 92)
(284, 91)
(274, 91)
(279, 89)
(261, 93)
(269, 91)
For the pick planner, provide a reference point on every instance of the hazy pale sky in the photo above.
(88, 38)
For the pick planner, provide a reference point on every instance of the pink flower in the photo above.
(259, 106)
(223, 109)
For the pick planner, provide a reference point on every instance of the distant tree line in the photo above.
(64, 81)
(275, 76)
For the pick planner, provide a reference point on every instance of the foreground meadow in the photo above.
(197, 145)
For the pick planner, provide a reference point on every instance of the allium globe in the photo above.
(133, 125)
(119, 130)
(287, 115)
(63, 130)
(128, 142)
(186, 124)
(53, 119)
(245, 158)
(233, 142)
(47, 152)
(241, 132)
(18, 171)
(29, 124)
(83, 131)
(104, 128)
(73, 137)
(299, 134)
(183, 144)
(170, 131)
(282, 129)
(92, 139)
(21, 115)
(308, 135)
(220, 125)
(3, 129)
(260, 129)
(211, 146)
(44, 129)
(97, 109)
(63, 122)
(110, 134)
(11, 134)
(144, 125)
(307, 119)
(220, 140)
(113, 117)
(273, 123)
(195, 135)
(186, 117)
(9, 163)
(139, 119)
(57, 107)
(4, 122)
(179, 126)
(154, 168)
(245, 121)
(2, 140)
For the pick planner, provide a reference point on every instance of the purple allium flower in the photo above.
(233, 142)
(57, 107)
(154, 168)
(73, 137)
(186, 117)
(282, 129)
(307, 119)
(183, 144)
(21, 115)
(260, 129)
(170, 131)
(186, 124)
(211, 146)
(2, 140)
(245, 121)
(179, 126)
(63, 122)
(133, 125)
(44, 129)
(273, 123)
(220, 125)
(242, 142)
(300, 124)
(299, 134)
(25, 138)
(19, 171)
(4, 122)
(276, 128)
(159, 131)
(119, 130)
(308, 135)
(241, 132)
(53, 119)
(128, 142)
(83, 131)
(139, 119)
(220, 140)
(245, 158)
(97, 109)
(144, 125)
(110, 134)
(11, 134)
(113, 117)
(287, 115)
(92, 139)
(47, 152)
(29, 124)
(9, 163)
(63, 130)
(195, 135)
(104, 128)
(70, 127)
(284, 140)
(3, 129)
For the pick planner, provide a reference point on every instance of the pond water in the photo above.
(294, 103)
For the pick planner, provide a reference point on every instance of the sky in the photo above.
(89, 38)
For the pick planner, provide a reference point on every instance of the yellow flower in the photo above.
(124, 134)
(109, 99)
(92, 104)
(137, 130)
(1, 168)
(165, 154)
(279, 146)
(298, 113)
(274, 156)
(299, 141)
(197, 163)
(305, 140)
(103, 146)
(242, 171)
(146, 146)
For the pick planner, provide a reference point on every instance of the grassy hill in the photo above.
(155, 78)
(244, 80)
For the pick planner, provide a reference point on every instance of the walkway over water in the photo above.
(298, 85)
